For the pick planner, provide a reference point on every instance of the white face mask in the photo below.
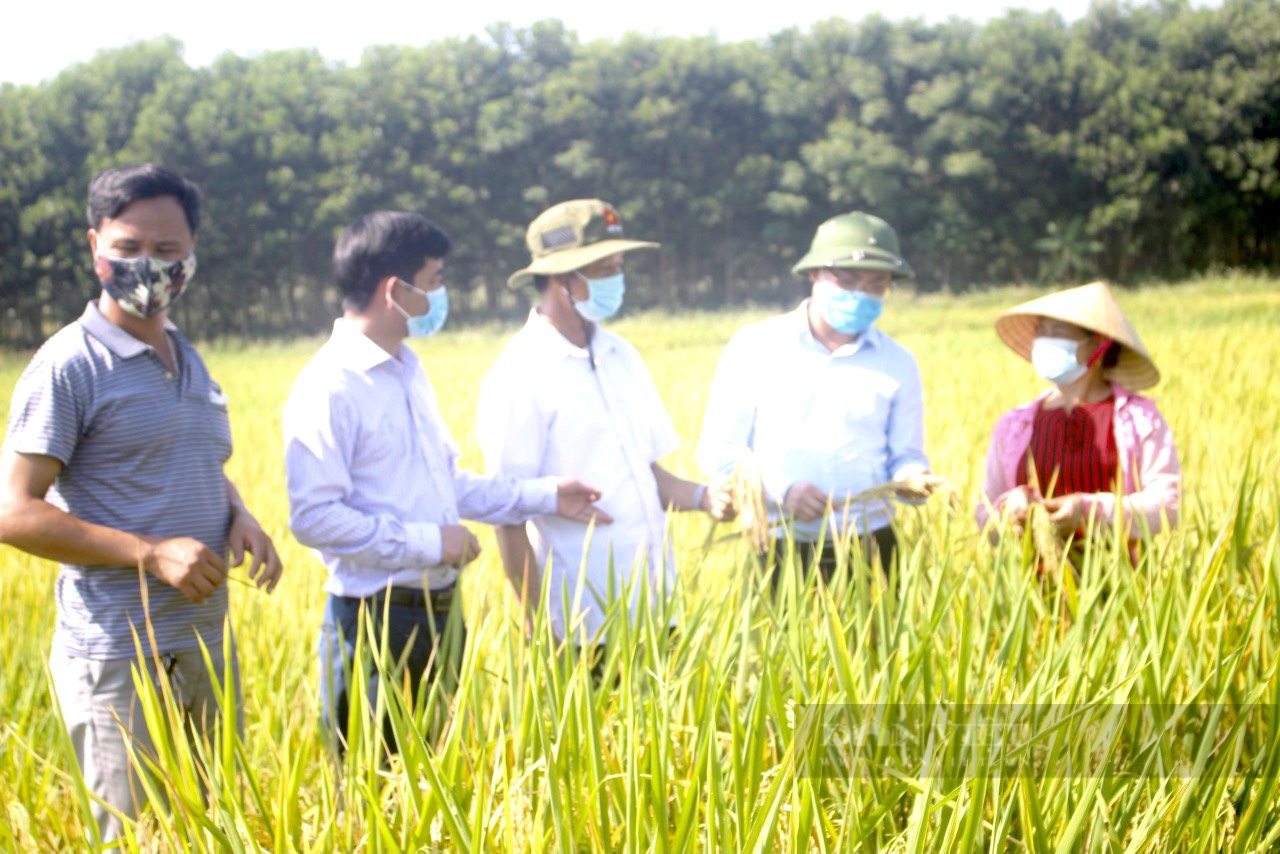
(1055, 360)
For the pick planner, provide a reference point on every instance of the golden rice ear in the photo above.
(1045, 538)
(923, 485)
(748, 496)
(747, 488)
(1048, 545)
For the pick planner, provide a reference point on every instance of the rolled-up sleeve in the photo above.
(1154, 482)
(996, 483)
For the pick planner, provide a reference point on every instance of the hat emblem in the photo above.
(612, 224)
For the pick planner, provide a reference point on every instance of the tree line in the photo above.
(1138, 142)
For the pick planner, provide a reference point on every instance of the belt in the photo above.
(415, 597)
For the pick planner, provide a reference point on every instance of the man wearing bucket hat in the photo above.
(568, 395)
(1089, 450)
(823, 405)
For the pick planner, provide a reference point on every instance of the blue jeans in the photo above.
(417, 644)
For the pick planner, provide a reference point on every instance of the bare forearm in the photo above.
(233, 497)
(37, 527)
(677, 492)
(519, 561)
(32, 524)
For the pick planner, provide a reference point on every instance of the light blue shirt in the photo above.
(372, 470)
(845, 420)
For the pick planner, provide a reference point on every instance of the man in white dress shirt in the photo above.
(373, 480)
(568, 395)
(823, 404)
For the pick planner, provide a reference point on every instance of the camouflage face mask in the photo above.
(144, 286)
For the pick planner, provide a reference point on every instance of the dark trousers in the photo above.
(881, 542)
(416, 645)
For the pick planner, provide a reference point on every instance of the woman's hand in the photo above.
(1067, 512)
(1016, 504)
(718, 501)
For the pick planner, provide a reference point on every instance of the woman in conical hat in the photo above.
(1089, 449)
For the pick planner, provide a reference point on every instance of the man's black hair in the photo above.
(381, 244)
(113, 190)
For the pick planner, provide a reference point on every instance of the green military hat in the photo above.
(572, 235)
(857, 240)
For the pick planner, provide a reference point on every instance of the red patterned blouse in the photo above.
(1072, 451)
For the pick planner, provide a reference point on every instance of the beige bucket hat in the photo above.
(1090, 307)
(571, 235)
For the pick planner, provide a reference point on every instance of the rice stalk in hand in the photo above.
(748, 497)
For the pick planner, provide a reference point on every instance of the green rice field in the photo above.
(967, 704)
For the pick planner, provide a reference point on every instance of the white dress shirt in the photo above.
(372, 470)
(845, 420)
(549, 406)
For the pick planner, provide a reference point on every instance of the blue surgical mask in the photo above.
(850, 312)
(604, 298)
(422, 325)
(1055, 360)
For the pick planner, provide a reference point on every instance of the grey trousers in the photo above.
(99, 705)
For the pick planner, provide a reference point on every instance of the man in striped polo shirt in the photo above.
(113, 466)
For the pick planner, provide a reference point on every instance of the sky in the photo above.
(42, 37)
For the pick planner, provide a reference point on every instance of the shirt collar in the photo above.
(1120, 393)
(114, 338)
(548, 336)
(360, 352)
(873, 338)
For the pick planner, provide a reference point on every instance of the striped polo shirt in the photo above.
(142, 451)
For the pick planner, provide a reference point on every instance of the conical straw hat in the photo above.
(1090, 307)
